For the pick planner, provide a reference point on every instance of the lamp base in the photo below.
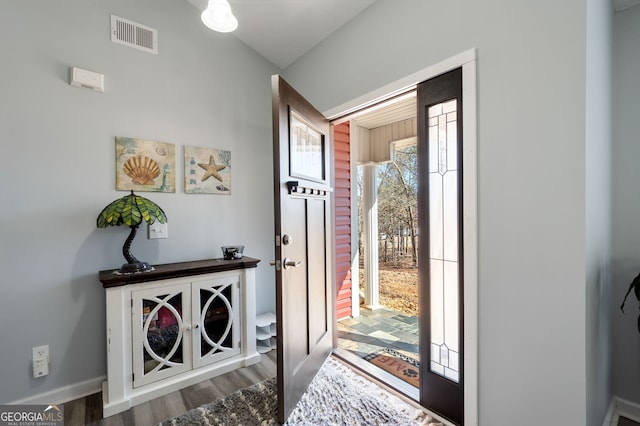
(130, 268)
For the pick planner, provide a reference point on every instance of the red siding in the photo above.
(343, 219)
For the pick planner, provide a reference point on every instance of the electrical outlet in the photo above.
(40, 360)
(41, 352)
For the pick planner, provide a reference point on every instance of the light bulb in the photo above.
(218, 16)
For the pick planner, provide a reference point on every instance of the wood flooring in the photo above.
(88, 410)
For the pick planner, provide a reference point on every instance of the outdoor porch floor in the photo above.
(378, 329)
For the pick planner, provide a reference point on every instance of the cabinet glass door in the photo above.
(161, 336)
(216, 320)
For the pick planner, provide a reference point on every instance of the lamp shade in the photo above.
(130, 211)
(218, 16)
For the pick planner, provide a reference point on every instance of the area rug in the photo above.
(396, 363)
(337, 396)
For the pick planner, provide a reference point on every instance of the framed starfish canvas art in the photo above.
(143, 165)
(207, 170)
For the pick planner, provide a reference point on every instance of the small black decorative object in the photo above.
(130, 210)
(232, 252)
(635, 286)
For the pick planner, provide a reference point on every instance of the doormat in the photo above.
(400, 365)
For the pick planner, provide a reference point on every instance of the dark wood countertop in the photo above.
(111, 278)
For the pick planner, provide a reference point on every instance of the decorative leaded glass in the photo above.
(443, 244)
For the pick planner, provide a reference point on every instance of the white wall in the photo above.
(532, 188)
(598, 230)
(57, 167)
(626, 203)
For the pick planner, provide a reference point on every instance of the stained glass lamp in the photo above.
(130, 210)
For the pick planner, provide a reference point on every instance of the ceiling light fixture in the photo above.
(218, 16)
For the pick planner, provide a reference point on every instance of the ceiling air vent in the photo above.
(132, 34)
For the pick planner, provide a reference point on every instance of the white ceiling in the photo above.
(392, 111)
(284, 30)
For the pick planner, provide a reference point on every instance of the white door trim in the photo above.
(467, 60)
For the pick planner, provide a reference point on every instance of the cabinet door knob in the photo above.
(196, 326)
(188, 327)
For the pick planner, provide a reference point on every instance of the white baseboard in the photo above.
(628, 409)
(608, 419)
(621, 407)
(65, 393)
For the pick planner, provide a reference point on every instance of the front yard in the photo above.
(398, 287)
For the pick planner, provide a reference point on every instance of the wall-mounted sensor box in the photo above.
(85, 78)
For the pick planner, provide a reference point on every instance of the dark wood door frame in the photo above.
(440, 394)
(468, 61)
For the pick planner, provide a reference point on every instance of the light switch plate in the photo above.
(158, 230)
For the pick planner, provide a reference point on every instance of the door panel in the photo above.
(302, 210)
(318, 328)
(441, 276)
(298, 346)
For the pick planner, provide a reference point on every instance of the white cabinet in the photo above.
(177, 327)
(165, 332)
(266, 332)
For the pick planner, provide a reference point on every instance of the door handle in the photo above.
(288, 263)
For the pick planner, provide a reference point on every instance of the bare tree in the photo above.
(397, 204)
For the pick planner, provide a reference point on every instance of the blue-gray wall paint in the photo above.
(626, 203)
(58, 167)
(535, 187)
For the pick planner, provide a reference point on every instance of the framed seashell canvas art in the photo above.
(143, 165)
(207, 171)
